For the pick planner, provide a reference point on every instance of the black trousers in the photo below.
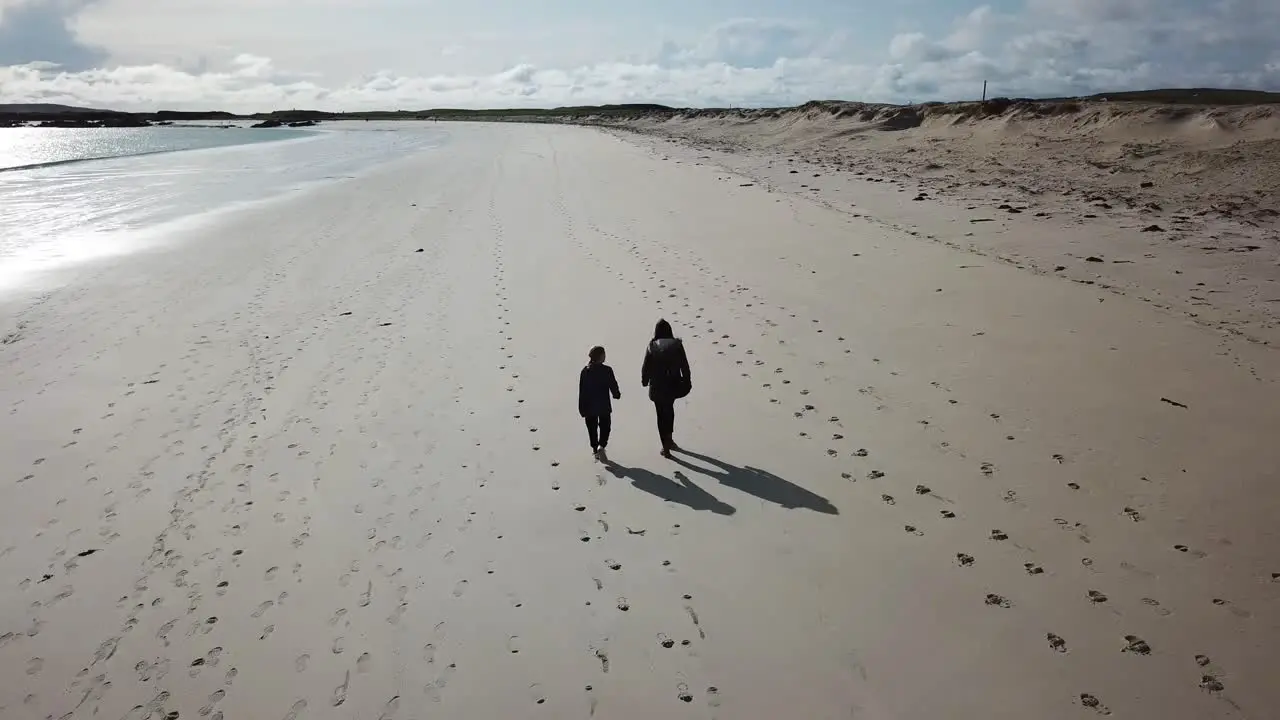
(666, 411)
(598, 427)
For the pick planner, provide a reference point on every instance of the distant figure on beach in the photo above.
(666, 373)
(595, 384)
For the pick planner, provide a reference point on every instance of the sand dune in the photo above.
(321, 459)
(1173, 204)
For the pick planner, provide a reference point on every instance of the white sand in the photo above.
(325, 476)
(1178, 205)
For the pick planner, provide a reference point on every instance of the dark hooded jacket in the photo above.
(666, 367)
(595, 384)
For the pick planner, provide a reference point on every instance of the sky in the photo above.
(349, 55)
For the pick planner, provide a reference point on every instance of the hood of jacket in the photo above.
(660, 345)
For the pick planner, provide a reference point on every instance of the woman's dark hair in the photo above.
(662, 330)
(596, 353)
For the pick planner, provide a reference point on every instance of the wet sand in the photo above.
(321, 459)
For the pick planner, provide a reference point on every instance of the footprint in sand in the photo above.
(301, 662)
(340, 692)
(296, 710)
(460, 589)
(1136, 645)
(1233, 608)
(998, 601)
(390, 709)
(1056, 643)
(262, 608)
(888, 500)
(1094, 704)
(1152, 602)
(682, 692)
(998, 535)
(964, 559)
(214, 698)
(364, 663)
(434, 687)
(1211, 684)
(1033, 569)
(713, 696)
(1199, 554)
(1096, 597)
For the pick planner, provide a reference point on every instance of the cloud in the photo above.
(750, 43)
(1043, 48)
(38, 31)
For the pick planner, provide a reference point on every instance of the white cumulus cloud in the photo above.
(1046, 47)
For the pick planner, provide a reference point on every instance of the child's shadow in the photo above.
(683, 492)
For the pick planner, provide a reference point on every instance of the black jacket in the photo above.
(665, 369)
(595, 385)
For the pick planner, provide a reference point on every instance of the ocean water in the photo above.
(28, 148)
(73, 195)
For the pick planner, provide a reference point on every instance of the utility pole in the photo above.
(984, 92)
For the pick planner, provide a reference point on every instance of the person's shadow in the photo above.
(764, 485)
(683, 492)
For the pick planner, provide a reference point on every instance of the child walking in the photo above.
(595, 385)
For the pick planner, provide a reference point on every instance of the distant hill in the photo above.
(1191, 96)
(46, 109)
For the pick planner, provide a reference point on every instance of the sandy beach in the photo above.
(321, 458)
(1173, 204)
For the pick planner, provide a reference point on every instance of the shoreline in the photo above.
(36, 259)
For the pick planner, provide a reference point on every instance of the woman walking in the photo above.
(595, 384)
(666, 373)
